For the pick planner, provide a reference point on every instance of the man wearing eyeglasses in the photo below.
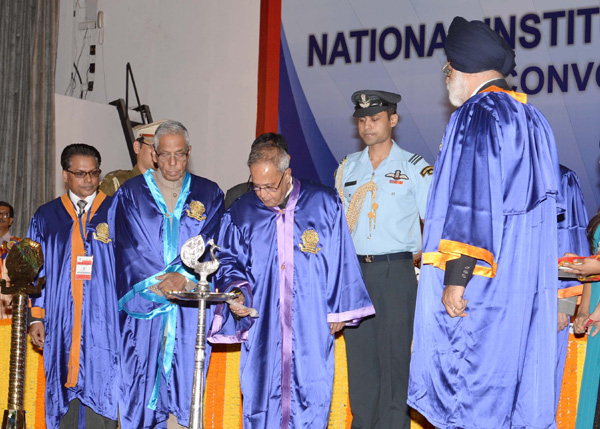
(76, 314)
(384, 192)
(143, 146)
(484, 350)
(287, 248)
(154, 214)
(7, 214)
(240, 189)
(6, 220)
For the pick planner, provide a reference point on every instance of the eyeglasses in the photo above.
(179, 156)
(141, 141)
(446, 69)
(4, 215)
(267, 188)
(94, 174)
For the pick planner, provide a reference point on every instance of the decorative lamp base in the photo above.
(13, 419)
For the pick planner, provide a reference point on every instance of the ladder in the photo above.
(126, 123)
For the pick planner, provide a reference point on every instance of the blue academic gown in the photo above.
(95, 382)
(157, 381)
(495, 197)
(297, 286)
(572, 227)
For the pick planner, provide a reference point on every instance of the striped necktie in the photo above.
(81, 204)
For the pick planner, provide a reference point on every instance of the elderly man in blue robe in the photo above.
(154, 214)
(287, 248)
(484, 350)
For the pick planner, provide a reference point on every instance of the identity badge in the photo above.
(83, 269)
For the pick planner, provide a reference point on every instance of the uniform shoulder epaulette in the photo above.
(341, 164)
(113, 181)
(427, 171)
(415, 159)
(115, 173)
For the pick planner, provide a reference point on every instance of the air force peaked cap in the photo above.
(473, 47)
(369, 102)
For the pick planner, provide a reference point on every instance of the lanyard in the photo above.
(84, 236)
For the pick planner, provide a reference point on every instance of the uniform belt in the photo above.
(382, 258)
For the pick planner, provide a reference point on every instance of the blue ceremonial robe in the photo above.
(572, 227)
(494, 197)
(95, 381)
(298, 285)
(146, 245)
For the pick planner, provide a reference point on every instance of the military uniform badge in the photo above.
(102, 233)
(196, 210)
(397, 175)
(427, 171)
(310, 239)
(364, 101)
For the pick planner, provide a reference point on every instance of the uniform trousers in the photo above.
(80, 416)
(379, 349)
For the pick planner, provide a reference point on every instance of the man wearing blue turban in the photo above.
(484, 351)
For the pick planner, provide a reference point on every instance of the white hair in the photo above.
(169, 128)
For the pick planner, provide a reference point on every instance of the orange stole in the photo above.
(77, 249)
(519, 96)
(449, 250)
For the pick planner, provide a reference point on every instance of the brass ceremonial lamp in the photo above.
(23, 264)
(191, 251)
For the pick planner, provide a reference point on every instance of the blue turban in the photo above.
(473, 47)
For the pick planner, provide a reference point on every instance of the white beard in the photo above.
(457, 89)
